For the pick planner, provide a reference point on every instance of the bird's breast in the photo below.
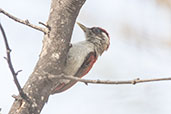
(76, 56)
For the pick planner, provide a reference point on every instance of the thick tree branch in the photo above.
(63, 14)
(8, 58)
(86, 81)
(25, 22)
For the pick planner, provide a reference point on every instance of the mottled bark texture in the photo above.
(62, 17)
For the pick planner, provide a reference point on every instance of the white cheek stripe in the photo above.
(104, 34)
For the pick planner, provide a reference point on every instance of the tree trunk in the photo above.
(61, 20)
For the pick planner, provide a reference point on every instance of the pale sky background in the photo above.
(140, 32)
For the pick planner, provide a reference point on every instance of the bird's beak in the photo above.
(82, 27)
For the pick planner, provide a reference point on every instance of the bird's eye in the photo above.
(96, 30)
(99, 31)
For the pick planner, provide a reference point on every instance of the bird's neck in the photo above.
(99, 45)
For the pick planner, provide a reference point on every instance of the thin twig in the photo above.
(8, 58)
(47, 26)
(25, 22)
(135, 81)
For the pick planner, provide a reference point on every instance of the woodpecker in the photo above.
(82, 55)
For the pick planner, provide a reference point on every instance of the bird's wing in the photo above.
(82, 71)
(87, 65)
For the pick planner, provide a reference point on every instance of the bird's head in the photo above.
(96, 35)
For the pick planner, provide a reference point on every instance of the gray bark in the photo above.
(62, 18)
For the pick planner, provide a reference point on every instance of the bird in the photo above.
(82, 55)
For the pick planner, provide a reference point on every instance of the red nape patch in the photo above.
(104, 31)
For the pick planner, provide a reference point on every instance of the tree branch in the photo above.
(8, 58)
(62, 16)
(86, 81)
(135, 81)
(25, 22)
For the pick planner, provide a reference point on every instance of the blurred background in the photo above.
(140, 33)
